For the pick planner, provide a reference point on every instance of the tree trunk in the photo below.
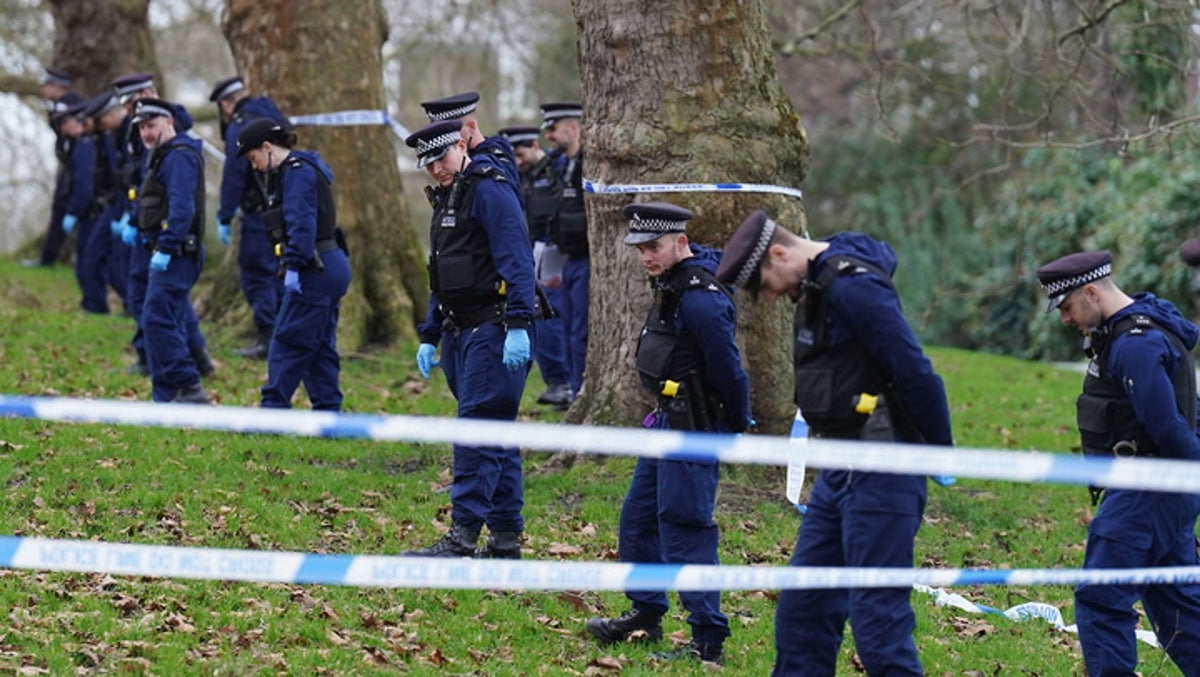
(681, 91)
(316, 57)
(97, 41)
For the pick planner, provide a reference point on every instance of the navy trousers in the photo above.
(304, 344)
(135, 293)
(55, 237)
(667, 519)
(854, 519)
(257, 265)
(550, 357)
(488, 484)
(91, 264)
(576, 273)
(1135, 529)
(168, 322)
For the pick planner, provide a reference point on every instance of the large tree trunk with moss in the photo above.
(316, 57)
(97, 41)
(681, 91)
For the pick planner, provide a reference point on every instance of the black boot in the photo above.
(693, 651)
(501, 545)
(204, 363)
(255, 351)
(631, 625)
(459, 542)
(191, 395)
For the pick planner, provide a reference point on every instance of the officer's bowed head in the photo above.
(649, 221)
(1064, 275)
(433, 140)
(127, 86)
(741, 263)
(259, 131)
(451, 107)
(226, 87)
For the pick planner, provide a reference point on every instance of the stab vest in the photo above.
(326, 209)
(829, 377)
(542, 190)
(461, 270)
(153, 206)
(663, 353)
(1104, 413)
(570, 226)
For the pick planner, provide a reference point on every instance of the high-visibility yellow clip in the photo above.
(132, 193)
(503, 291)
(278, 250)
(670, 388)
(865, 403)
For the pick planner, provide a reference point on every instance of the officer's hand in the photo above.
(516, 349)
(68, 223)
(291, 280)
(426, 359)
(115, 225)
(224, 231)
(160, 261)
(129, 234)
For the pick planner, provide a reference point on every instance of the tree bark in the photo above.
(681, 91)
(316, 57)
(100, 40)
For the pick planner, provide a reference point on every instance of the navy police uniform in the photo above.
(240, 192)
(1139, 399)
(302, 217)
(78, 210)
(55, 237)
(569, 232)
(541, 187)
(98, 267)
(688, 358)
(171, 223)
(851, 338)
(482, 282)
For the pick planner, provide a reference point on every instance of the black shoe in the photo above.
(631, 625)
(559, 395)
(204, 363)
(254, 351)
(693, 651)
(459, 542)
(138, 369)
(501, 545)
(191, 395)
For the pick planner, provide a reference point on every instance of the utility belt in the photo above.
(688, 406)
(465, 319)
(189, 247)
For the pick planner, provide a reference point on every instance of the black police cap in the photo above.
(150, 107)
(1064, 275)
(56, 76)
(64, 104)
(651, 220)
(433, 140)
(97, 106)
(451, 107)
(225, 87)
(258, 131)
(129, 84)
(745, 250)
(521, 134)
(554, 111)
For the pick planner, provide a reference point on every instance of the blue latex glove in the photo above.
(224, 231)
(117, 226)
(160, 261)
(291, 280)
(129, 234)
(426, 358)
(516, 349)
(68, 223)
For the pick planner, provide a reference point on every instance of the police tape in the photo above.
(352, 118)
(1154, 474)
(1021, 612)
(624, 188)
(45, 554)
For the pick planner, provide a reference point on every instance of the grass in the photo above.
(156, 486)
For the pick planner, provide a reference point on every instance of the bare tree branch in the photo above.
(1091, 22)
(788, 48)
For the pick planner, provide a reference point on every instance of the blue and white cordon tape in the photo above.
(1154, 474)
(626, 188)
(352, 118)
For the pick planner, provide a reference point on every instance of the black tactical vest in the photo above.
(1107, 424)
(152, 201)
(542, 188)
(326, 208)
(570, 226)
(662, 353)
(829, 378)
(461, 270)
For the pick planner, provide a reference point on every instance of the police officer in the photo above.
(540, 189)
(171, 223)
(240, 193)
(301, 222)
(562, 124)
(1139, 399)
(97, 264)
(129, 89)
(852, 343)
(78, 209)
(480, 309)
(55, 90)
(492, 150)
(688, 358)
